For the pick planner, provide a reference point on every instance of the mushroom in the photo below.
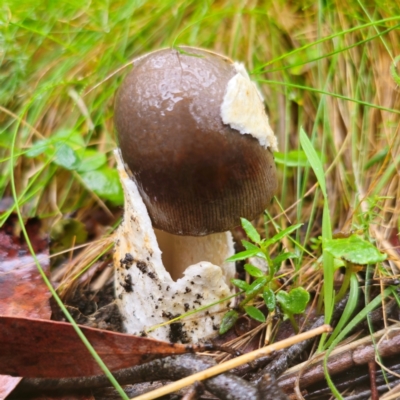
(195, 156)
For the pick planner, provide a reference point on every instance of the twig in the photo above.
(359, 379)
(194, 392)
(284, 360)
(226, 366)
(359, 352)
(174, 367)
(170, 368)
(372, 380)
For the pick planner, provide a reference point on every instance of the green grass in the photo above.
(329, 68)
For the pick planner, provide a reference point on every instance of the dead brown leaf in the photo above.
(49, 349)
(22, 290)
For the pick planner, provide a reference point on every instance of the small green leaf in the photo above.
(354, 249)
(105, 183)
(66, 157)
(314, 160)
(280, 235)
(249, 246)
(269, 299)
(91, 160)
(253, 271)
(255, 313)
(228, 321)
(243, 255)
(240, 284)
(257, 285)
(294, 302)
(278, 260)
(251, 232)
(295, 158)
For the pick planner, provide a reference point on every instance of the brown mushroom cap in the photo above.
(195, 174)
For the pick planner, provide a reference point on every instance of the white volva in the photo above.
(243, 109)
(146, 293)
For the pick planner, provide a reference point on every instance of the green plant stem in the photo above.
(271, 269)
(247, 299)
(293, 322)
(346, 282)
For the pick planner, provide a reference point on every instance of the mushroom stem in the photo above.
(178, 252)
(146, 292)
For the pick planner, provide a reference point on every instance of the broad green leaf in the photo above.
(269, 299)
(255, 313)
(257, 285)
(355, 250)
(314, 160)
(91, 160)
(249, 246)
(105, 183)
(228, 321)
(240, 284)
(294, 302)
(66, 157)
(253, 271)
(243, 255)
(251, 232)
(280, 235)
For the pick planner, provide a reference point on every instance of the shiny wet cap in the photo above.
(195, 174)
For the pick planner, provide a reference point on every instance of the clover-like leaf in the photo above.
(228, 321)
(105, 183)
(255, 313)
(294, 302)
(66, 157)
(69, 136)
(269, 299)
(91, 160)
(38, 148)
(354, 249)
